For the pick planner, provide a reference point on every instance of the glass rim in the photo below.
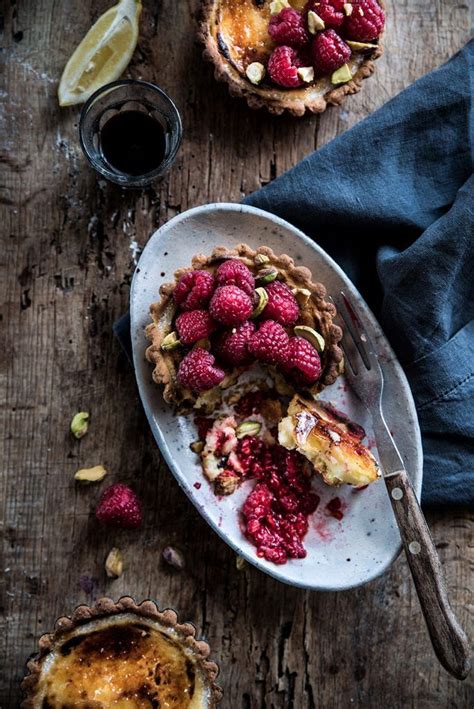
(101, 167)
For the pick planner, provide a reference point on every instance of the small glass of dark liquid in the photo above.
(130, 132)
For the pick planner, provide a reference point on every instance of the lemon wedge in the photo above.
(103, 54)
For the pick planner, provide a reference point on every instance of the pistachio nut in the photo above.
(248, 428)
(261, 259)
(277, 6)
(114, 563)
(174, 558)
(170, 342)
(197, 447)
(306, 73)
(91, 475)
(341, 75)
(315, 22)
(302, 295)
(255, 72)
(266, 275)
(313, 336)
(240, 563)
(79, 424)
(262, 301)
(360, 45)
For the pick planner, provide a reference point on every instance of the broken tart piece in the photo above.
(236, 309)
(292, 55)
(330, 441)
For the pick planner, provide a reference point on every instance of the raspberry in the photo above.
(270, 343)
(194, 290)
(282, 305)
(194, 325)
(329, 52)
(235, 273)
(303, 361)
(283, 67)
(230, 306)
(197, 371)
(231, 346)
(289, 27)
(330, 11)
(366, 21)
(119, 506)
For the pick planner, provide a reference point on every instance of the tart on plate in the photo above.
(232, 310)
(121, 655)
(292, 55)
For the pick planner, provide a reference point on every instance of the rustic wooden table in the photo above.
(69, 249)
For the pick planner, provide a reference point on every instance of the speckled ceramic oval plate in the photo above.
(341, 554)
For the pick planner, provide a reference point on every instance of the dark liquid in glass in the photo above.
(133, 142)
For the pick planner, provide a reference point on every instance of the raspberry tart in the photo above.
(232, 311)
(293, 55)
(121, 654)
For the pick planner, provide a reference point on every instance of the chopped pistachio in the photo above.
(262, 301)
(306, 73)
(360, 45)
(204, 344)
(248, 428)
(348, 9)
(266, 275)
(277, 6)
(174, 558)
(313, 336)
(197, 446)
(79, 424)
(91, 475)
(302, 295)
(240, 563)
(341, 75)
(114, 563)
(255, 72)
(261, 260)
(170, 342)
(315, 22)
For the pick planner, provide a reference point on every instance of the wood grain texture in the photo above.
(69, 246)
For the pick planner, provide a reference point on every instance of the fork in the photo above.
(365, 376)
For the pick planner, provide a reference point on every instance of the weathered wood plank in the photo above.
(69, 242)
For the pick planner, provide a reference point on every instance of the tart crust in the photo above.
(215, 30)
(317, 313)
(106, 607)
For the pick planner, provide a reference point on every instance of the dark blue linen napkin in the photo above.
(392, 201)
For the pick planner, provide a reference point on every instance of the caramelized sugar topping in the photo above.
(122, 665)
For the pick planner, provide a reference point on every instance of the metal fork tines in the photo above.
(365, 376)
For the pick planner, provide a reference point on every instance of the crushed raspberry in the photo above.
(194, 290)
(304, 361)
(282, 305)
(276, 511)
(334, 508)
(283, 66)
(329, 52)
(366, 21)
(119, 506)
(270, 343)
(231, 346)
(289, 27)
(198, 372)
(230, 306)
(249, 404)
(330, 11)
(194, 325)
(235, 273)
(203, 425)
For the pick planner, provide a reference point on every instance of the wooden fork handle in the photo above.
(449, 640)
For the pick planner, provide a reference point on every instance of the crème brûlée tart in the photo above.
(121, 655)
